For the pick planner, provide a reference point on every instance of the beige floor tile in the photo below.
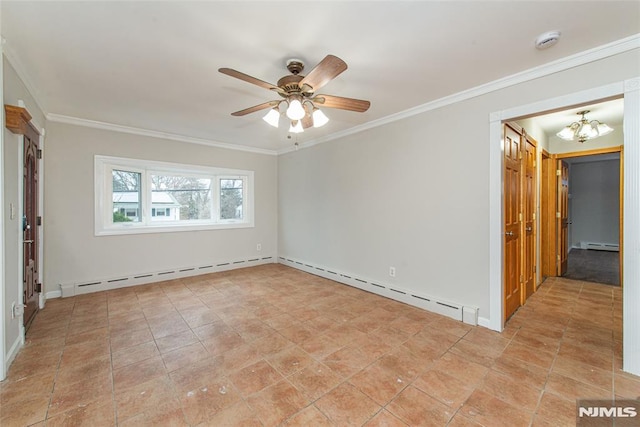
(255, 377)
(271, 345)
(315, 380)
(487, 409)
(385, 418)
(443, 387)
(309, 416)
(345, 405)
(277, 402)
(379, 383)
(416, 408)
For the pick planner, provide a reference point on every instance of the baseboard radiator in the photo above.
(613, 247)
(85, 287)
(466, 314)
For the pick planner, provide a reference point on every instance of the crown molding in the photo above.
(20, 70)
(562, 64)
(59, 118)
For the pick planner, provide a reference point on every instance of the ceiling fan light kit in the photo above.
(273, 117)
(319, 119)
(295, 110)
(296, 127)
(299, 93)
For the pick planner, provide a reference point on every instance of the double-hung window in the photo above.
(139, 196)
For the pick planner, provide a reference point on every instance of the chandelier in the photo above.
(584, 129)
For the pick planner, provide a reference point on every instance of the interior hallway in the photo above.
(271, 345)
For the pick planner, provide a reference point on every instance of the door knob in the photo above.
(509, 233)
(28, 241)
(529, 228)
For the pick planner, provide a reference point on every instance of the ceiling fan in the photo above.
(299, 93)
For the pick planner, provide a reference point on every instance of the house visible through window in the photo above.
(160, 212)
(189, 196)
(135, 196)
(126, 195)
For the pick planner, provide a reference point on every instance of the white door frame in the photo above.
(3, 370)
(630, 89)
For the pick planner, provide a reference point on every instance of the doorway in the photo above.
(580, 202)
(572, 224)
(594, 208)
(630, 89)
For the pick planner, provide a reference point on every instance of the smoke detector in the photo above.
(548, 39)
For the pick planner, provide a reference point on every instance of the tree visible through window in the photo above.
(231, 199)
(192, 194)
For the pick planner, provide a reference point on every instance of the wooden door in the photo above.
(563, 217)
(512, 242)
(30, 225)
(529, 215)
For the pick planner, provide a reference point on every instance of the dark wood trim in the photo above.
(17, 119)
(607, 150)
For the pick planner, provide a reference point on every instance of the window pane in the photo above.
(180, 198)
(126, 196)
(231, 199)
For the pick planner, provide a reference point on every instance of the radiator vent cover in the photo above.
(597, 246)
(467, 314)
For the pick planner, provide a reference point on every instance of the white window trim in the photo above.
(103, 215)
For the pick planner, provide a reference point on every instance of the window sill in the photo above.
(163, 228)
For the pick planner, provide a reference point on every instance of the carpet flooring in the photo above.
(594, 266)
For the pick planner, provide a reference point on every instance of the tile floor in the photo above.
(271, 345)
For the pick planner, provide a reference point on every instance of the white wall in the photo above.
(74, 255)
(414, 194)
(595, 207)
(14, 91)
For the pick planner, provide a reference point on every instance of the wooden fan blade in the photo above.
(255, 108)
(307, 121)
(328, 69)
(247, 78)
(351, 104)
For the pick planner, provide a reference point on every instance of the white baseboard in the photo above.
(425, 302)
(484, 322)
(12, 353)
(98, 285)
(53, 294)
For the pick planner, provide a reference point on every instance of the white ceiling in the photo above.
(153, 65)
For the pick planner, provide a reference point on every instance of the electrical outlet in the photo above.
(259, 246)
(392, 271)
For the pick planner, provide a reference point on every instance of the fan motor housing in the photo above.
(290, 84)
